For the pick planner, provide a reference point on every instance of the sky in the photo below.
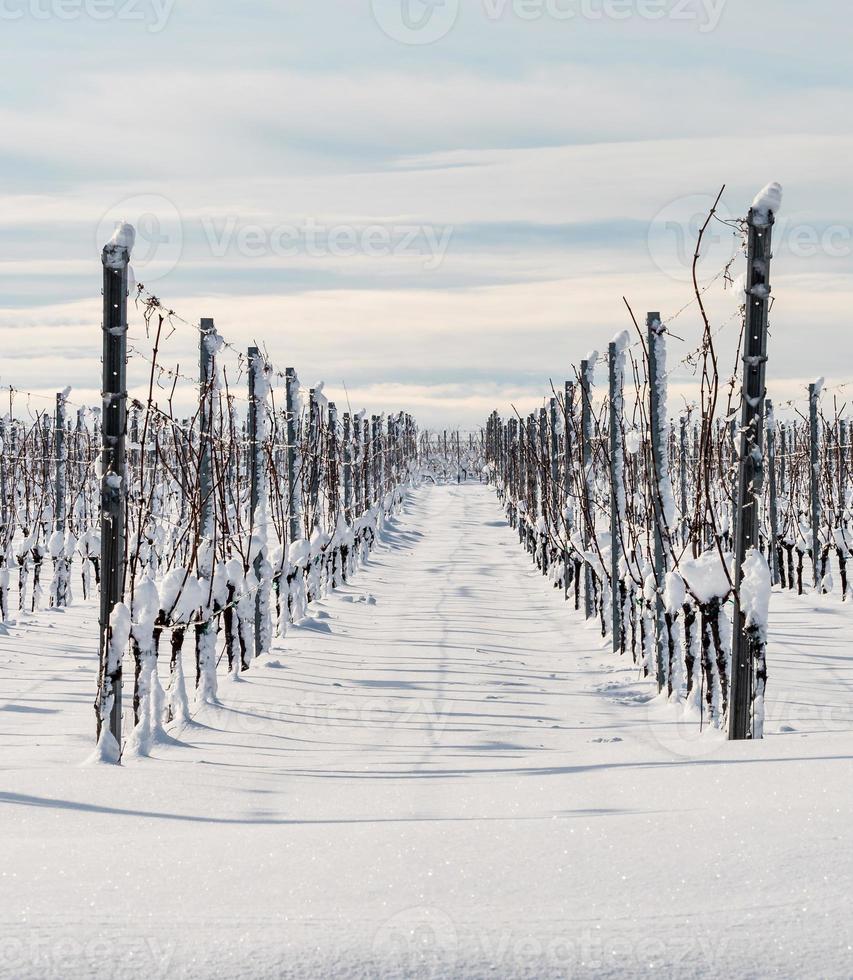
(431, 206)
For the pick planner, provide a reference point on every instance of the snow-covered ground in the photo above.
(443, 773)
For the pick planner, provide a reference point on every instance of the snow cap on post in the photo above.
(622, 340)
(767, 202)
(117, 250)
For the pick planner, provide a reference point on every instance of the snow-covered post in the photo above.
(616, 364)
(258, 497)
(253, 356)
(814, 480)
(748, 636)
(316, 456)
(294, 482)
(45, 516)
(555, 467)
(81, 512)
(682, 480)
(61, 454)
(587, 372)
(842, 473)
(568, 471)
(532, 484)
(297, 551)
(347, 453)
(458, 459)
(365, 464)
(115, 259)
(663, 504)
(209, 343)
(4, 503)
(842, 541)
(376, 460)
(773, 547)
(358, 458)
(389, 454)
(5, 536)
(544, 474)
(205, 380)
(60, 587)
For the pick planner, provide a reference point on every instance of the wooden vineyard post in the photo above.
(115, 259)
(332, 486)
(5, 535)
(544, 472)
(555, 468)
(294, 490)
(315, 457)
(655, 334)
(253, 357)
(376, 461)
(45, 454)
(773, 544)
(532, 483)
(206, 629)
(568, 475)
(814, 483)
(388, 456)
(586, 460)
(682, 481)
(358, 462)
(367, 500)
(80, 459)
(615, 475)
(257, 405)
(843, 524)
(347, 454)
(747, 644)
(59, 452)
(207, 501)
(521, 476)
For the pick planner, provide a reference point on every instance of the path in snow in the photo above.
(443, 773)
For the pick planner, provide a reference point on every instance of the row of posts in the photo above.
(748, 486)
(362, 440)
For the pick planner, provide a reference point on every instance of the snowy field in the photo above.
(442, 773)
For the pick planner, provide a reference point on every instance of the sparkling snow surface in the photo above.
(442, 773)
